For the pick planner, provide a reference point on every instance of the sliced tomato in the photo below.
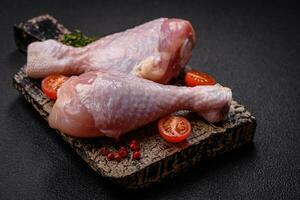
(174, 128)
(50, 84)
(194, 78)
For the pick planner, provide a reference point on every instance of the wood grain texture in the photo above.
(39, 28)
(160, 160)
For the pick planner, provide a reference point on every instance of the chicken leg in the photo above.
(156, 50)
(113, 103)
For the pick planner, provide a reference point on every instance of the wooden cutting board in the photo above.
(160, 160)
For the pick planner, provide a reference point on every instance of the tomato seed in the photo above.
(117, 157)
(134, 146)
(104, 151)
(133, 142)
(123, 149)
(123, 153)
(136, 155)
(110, 156)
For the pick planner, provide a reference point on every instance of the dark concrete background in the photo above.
(252, 47)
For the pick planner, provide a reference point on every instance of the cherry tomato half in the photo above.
(194, 78)
(174, 128)
(51, 83)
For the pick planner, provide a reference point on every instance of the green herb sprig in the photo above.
(77, 39)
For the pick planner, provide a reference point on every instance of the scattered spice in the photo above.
(110, 156)
(134, 146)
(104, 151)
(123, 149)
(122, 152)
(117, 157)
(136, 155)
(133, 142)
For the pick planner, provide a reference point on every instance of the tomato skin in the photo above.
(174, 128)
(51, 83)
(194, 78)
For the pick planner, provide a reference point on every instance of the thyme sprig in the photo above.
(77, 39)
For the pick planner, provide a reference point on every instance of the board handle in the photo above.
(39, 28)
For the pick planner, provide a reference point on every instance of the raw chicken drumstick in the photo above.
(113, 103)
(156, 50)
